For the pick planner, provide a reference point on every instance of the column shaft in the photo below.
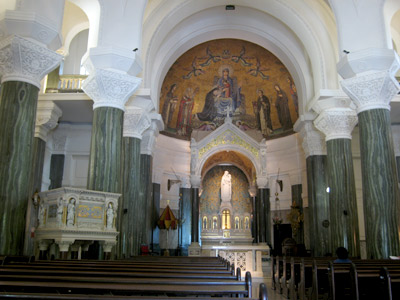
(195, 214)
(297, 190)
(155, 243)
(318, 203)
(105, 150)
(186, 218)
(146, 189)
(39, 147)
(56, 171)
(342, 197)
(262, 194)
(17, 116)
(267, 216)
(133, 209)
(380, 188)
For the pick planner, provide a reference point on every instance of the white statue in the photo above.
(41, 214)
(110, 216)
(226, 187)
(71, 213)
(60, 211)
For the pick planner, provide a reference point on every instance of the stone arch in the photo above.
(228, 138)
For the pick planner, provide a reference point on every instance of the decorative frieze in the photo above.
(25, 60)
(47, 116)
(336, 123)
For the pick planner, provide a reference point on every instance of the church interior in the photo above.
(239, 129)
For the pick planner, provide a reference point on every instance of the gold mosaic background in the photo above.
(251, 68)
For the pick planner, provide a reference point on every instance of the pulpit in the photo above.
(74, 218)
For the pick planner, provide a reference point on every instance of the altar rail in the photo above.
(245, 257)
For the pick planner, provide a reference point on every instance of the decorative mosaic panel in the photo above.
(91, 212)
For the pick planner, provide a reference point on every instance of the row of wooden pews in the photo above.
(308, 278)
(144, 277)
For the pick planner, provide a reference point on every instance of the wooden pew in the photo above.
(263, 295)
(125, 286)
(294, 281)
(286, 276)
(391, 283)
(306, 278)
(340, 283)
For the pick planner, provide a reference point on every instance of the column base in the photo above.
(194, 249)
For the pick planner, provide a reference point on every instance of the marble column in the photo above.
(317, 183)
(133, 212)
(146, 165)
(264, 211)
(47, 117)
(25, 63)
(155, 240)
(56, 170)
(185, 215)
(254, 219)
(396, 146)
(337, 123)
(194, 248)
(297, 203)
(371, 91)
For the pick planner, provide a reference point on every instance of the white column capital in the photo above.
(369, 78)
(136, 121)
(195, 181)
(336, 123)
(262, 182)
(149, 137)
(47, 116)
(26, 60)
(313, 139)
(109, 88)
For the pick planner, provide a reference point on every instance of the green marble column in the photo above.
(186, 218)
(105, 150)
(398, 167)
(146, 189)
(261, 203)
(18, 103)
(56, 171)
(155, 242)
(342, 197)
(132, 213)
(39, 147)
(380, 187)
(195, 214)
(318, 204)
(297, 190)
(267, 216)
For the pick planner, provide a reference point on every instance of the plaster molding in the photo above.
(25, 60)
(59, 141)
(34, 26)
(336, 123)
(110, 88)
(47, 116)
(295, 178)
(136, 121)
(185, 182)
(149, 139)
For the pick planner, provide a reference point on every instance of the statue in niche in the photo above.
(60, 211)
(226, 187)
(110, 216)
(71, 213)
(42, 212)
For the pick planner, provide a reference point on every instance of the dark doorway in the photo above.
(281, 232)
